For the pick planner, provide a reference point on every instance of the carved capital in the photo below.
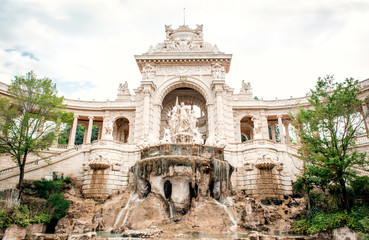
(147, 91)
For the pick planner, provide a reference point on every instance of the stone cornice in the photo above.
(188, 58)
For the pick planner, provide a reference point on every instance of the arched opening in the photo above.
(121, 130)
(243, 138)
(247, 129)
(193, 101)
(167, 189)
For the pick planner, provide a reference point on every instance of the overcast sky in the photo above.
(87, 46)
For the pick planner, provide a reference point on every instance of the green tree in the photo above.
(30, 119)
(327, 132)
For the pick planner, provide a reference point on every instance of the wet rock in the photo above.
(143, 233)
(207, 215)
(151, 211)
(267, 215)
(216, 190)
(43, 236)
(85, 236)
(107, 214)
(143, 188)
(261, 236)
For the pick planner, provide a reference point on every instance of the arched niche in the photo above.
(193, 100)
(247, 129)
(121, 130)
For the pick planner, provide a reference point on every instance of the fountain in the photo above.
(180, 169)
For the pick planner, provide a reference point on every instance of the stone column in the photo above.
(85, 134)
(280, 126)
(100, 132)
(89, 130)
(272, 128)
(72, 135)
(288, 140)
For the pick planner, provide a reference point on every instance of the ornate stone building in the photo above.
(254, 136)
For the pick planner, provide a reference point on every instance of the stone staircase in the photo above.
(40, 163)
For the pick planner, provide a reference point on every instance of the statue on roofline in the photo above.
(246, 87)
(123, 88)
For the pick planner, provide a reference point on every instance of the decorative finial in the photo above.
(184, 16)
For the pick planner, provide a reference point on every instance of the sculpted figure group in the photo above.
(182, 126)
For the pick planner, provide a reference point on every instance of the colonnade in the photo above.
(284, 132)
(88, 129)
(257, 130)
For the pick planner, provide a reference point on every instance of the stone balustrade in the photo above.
(183, 150)
(362, 139)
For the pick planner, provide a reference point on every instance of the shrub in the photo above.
(59, 205)
(361, 188)
(45, 188)
(4, 223)
(357, 220)
(48, 207)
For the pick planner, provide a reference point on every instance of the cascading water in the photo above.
(234, 222)
(170, 210)
(123, 211)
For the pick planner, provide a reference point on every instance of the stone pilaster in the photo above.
(219, 98)
(147, 89)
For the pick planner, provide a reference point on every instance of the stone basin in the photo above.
(99, 165)
(265, 165)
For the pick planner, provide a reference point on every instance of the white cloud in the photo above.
(281, 47)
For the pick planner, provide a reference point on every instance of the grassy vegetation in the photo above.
(43, 203)
(325, 214)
